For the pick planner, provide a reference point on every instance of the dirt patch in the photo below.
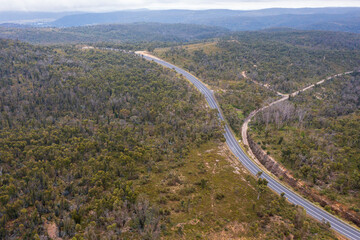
(52, 230)
(243, 73)
(215, 166)
(181, 225)
(234, 162)
(207, 164)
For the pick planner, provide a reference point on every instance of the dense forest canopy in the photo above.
(78, 126)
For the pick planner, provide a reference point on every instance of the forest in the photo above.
(319, 40)
(284, 62)
(114, 33)
(98, 144)
(81, 125)
(248, 68)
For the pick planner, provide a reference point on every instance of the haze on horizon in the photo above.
(110, 5)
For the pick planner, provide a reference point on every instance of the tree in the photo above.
(261, 184)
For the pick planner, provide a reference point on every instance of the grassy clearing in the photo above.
(209, 195)
(208, 48)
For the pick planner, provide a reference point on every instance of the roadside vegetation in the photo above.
(236, 93)
(316, 135)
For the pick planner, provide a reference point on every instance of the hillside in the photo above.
(116, 33)
(330, 19)
(99, 143)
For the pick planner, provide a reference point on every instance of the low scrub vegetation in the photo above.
(316, 135)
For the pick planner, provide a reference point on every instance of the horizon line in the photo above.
(171, 9)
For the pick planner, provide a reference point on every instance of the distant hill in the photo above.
(328, 19)
(14, 25)
(334, 19)
(36, 18)
(324, 40)
(134, 32)
(328, 22)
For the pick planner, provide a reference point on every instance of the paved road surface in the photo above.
(311, 209)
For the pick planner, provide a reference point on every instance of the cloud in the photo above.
(113, 5)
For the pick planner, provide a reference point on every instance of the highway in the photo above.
(311, 209)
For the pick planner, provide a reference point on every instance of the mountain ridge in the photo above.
(336, 19)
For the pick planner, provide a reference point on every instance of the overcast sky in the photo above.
(112, 5)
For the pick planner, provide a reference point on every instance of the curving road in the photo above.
(311, 209)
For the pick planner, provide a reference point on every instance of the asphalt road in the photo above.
(311, 209)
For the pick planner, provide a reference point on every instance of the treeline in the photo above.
(79, 129)
(116, 33)
(316, 135)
